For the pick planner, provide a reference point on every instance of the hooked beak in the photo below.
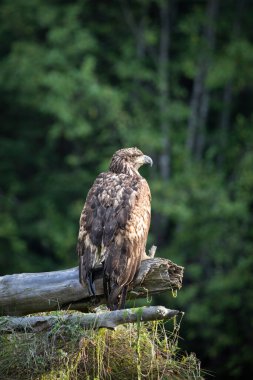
(148, 160)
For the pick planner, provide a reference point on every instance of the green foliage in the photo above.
(79, 80)
(129, 352)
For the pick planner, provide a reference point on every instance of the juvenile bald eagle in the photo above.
(114, 225)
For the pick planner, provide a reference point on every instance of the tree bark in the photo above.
(228, 89)
(27, 293)
(107, 319)
(163, 83)
(199, 104)
(224, 120)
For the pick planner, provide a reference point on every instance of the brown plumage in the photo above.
(114, 225)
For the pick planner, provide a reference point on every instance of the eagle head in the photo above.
(128, 161)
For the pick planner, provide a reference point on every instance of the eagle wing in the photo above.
(114, 226)
(90, 234)
(128, 246)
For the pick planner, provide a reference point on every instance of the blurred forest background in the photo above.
(81, 79)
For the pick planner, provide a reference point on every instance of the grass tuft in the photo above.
(133, 351)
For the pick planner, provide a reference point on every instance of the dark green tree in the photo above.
(79, 80)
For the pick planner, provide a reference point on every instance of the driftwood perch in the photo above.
(27, 293)
(109, 319)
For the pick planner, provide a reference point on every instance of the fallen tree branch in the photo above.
(108, 319)
(27, 293)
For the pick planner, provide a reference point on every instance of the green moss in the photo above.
(132, 351)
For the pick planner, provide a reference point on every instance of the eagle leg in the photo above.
(91, 285)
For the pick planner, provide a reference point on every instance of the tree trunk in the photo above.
(228, 89)
(199, 104)
(27, 293)
(163, 82)
(224, 120)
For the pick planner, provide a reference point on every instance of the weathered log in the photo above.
(27, 293)
(108, 319)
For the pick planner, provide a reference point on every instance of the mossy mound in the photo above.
(139, 351)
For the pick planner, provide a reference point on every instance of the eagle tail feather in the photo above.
(113, 298)
(86, 267)
(107, 287)
(123, 297)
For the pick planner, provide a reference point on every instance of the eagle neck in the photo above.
(121, 167)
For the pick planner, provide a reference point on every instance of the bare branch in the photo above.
(107, 319)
